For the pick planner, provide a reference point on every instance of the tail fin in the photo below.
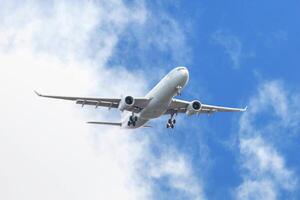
(106, 123)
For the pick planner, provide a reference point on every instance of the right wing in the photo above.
(180, 106)
(139, 103)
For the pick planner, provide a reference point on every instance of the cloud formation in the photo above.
(232, 45)
(159, 43)
(46, 150)
(265, 172)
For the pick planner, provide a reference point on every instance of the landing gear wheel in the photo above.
(170, 121)
(133, 123)
(172, 126)
(128, 123)
(174, 121)
(168, 125)
(133, 118)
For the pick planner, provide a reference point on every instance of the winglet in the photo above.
(245, 108)
(37, 93)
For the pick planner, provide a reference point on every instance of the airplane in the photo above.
(159, 101)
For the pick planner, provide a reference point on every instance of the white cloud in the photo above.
(265, 173)
(256, 189)
(46, 149)
(163, 37)
(179, 174)
(166, 36)
(233, 47)
(261, 159)
(232, 44)
(272, 98)
(280, 35)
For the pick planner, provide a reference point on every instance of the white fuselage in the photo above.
(161, 96)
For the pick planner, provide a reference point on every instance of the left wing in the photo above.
(180, 106)
(139, 103)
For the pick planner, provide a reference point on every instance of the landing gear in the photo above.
(170, 125)
(171, 122)
(132, 120)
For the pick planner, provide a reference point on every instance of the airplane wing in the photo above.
(180, 106)
(139, 103)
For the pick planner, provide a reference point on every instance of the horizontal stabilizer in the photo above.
(106, 123)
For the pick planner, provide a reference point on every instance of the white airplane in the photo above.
(159, 101)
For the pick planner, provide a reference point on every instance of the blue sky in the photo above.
(230, 48)
(238, 53)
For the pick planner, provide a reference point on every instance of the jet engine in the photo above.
(126, 103)
(193, 107)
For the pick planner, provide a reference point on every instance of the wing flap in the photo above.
(97, 103)
(211, 108)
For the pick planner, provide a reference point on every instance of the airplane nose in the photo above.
(185, 74)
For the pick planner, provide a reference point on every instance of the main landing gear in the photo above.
(132, 120)
(171, 122)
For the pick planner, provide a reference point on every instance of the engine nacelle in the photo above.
(126, 103)
(193, 107)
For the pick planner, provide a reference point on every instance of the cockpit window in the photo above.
(180, 68)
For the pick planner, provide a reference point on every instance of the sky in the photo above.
(238, 53)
